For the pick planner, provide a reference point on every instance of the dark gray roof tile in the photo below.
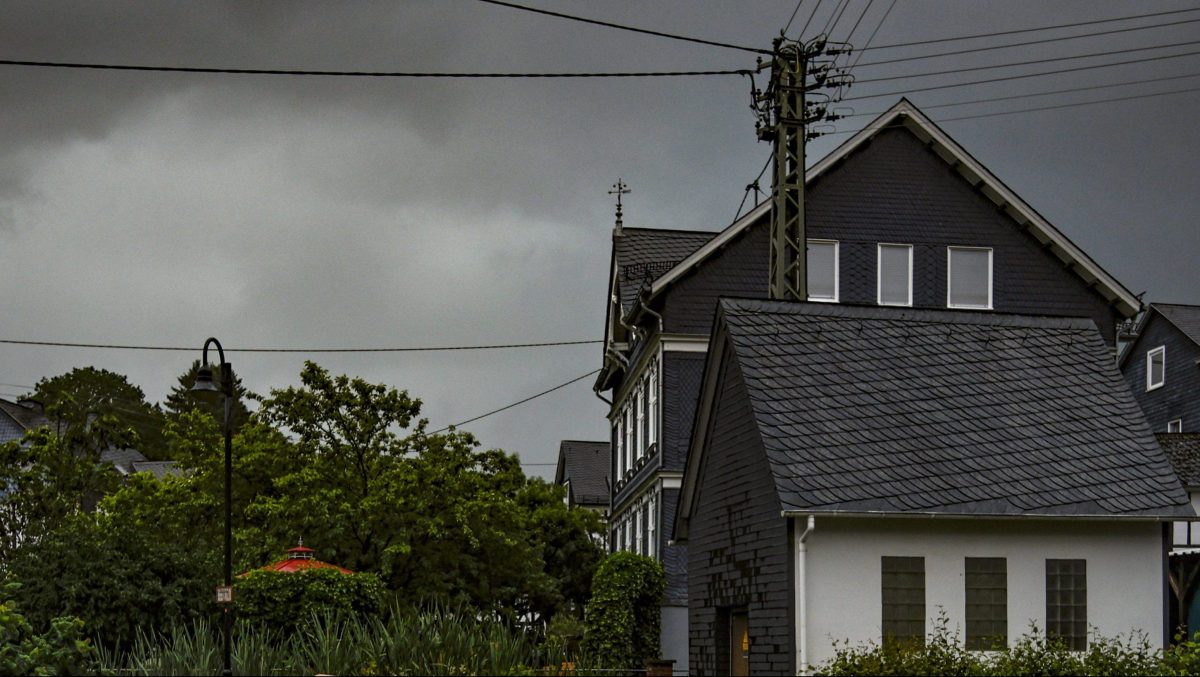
(645, 254)
(1183, 451)
(905, 410)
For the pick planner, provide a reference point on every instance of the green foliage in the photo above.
(96, 409)
(623, 621)
(1184, 657)
(1031, 654)
(401, 642)
(60, 651)
(285, 600)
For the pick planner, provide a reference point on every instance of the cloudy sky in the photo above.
(319, 212)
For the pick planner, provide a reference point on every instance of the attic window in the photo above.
(823, 270)
(1175, 426)
(969, 277)
(1156, 367)
(894, 275)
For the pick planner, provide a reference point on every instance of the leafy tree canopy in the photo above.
(181, 399)
(95, 409)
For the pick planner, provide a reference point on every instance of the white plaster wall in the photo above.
(1124, 572)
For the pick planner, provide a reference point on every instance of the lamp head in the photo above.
(204, 385)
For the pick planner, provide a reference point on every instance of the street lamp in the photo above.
(204, 386)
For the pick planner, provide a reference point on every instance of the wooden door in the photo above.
(739, 644)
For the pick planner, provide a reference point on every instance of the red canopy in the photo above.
(300, 558)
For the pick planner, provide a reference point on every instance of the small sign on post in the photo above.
(224, 594)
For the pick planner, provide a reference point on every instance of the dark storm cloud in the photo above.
(309, 211)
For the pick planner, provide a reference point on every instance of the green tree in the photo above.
(286, 601)
(60, 651)
(100, 407)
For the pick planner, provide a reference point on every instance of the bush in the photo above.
(61, 651)
(623, 621)
(284, 601)
(1032, 654)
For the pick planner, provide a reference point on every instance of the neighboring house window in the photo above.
(969, 277)
(903, 598)
(893, 283)
(628, 440)
(1175, 426)
(1156, 367)
(652, 525)
(639, 418)
(637, 529)
(1066, 602)
(567, 496)
(652, 417)
(822, 270)
(987, 602)
(620, 439)
(647, 414)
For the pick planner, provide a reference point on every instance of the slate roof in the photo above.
(586, 465)
(16, 418)
(897, 410)
(644, 254)
(1183, 451)
(159, 469)
(1186, 318)
(122, 459)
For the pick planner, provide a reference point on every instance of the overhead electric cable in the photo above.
(363, 74)
(1127, 83)
(792, 18)
(518, 402)
(1031, 30)
(1014, 64)
(835, 17)
(1075, 69)
(1031, 110)
(15, 385)
(1022, 44)
(816, 6)
(109, 346)
(622, 27)
(854, 28)
(879, 25)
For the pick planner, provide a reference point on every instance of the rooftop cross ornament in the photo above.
(619, 189)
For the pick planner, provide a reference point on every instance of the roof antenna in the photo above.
(619, 189)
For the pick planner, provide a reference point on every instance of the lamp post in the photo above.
(204, 385)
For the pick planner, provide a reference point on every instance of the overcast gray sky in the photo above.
(155, 208)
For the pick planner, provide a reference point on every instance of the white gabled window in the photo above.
(893, 279)
(652, 524)
(652, 415)
(969, 277)
(639, 409)
(822, 262)
(1175, 426)
(1156, 367)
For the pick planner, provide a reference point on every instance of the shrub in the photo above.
(284, 601)
(622, 620)
(61, 651)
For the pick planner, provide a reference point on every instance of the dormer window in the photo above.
(823, 270)
(893, 282)
(969, 277)
(1156, 367)
(1175, 426)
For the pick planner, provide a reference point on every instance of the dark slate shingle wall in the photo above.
(1179, 396)
(682, 374)
(739, 270)
(895, 190)
(738, 546)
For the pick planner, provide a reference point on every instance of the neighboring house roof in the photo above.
(905, 114)
(18, 417)
(1185, 318)
(159, 469)
(122, 459)
(1183, 451)
(644, 254)
(864, 409)
(586, 466)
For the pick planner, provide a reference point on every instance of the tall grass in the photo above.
(435, 641)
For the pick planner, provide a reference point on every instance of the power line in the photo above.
(816, 6)
(1075, 69)
(854, 28)
(873, 33)
(1027, 63)
(622, 27)
(362, 74)
(15, 385)
(109, 346)
(1030, 30)
(1069, 90)
(1024, 44)
(518, 402)
(793, 17)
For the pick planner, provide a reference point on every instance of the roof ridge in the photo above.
(911, 313)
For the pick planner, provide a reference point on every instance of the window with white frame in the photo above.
(647, 413)
(1156, 367)
(1175, 426)
(628, 441)
(652, 418)
(893, 281)
(619, 437)
(822, 262)
(638, 536)
(652, 525)
(969, 277)
(639, 409)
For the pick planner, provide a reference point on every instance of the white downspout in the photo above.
(801, 593)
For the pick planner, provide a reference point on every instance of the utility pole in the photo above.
(784, 115)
